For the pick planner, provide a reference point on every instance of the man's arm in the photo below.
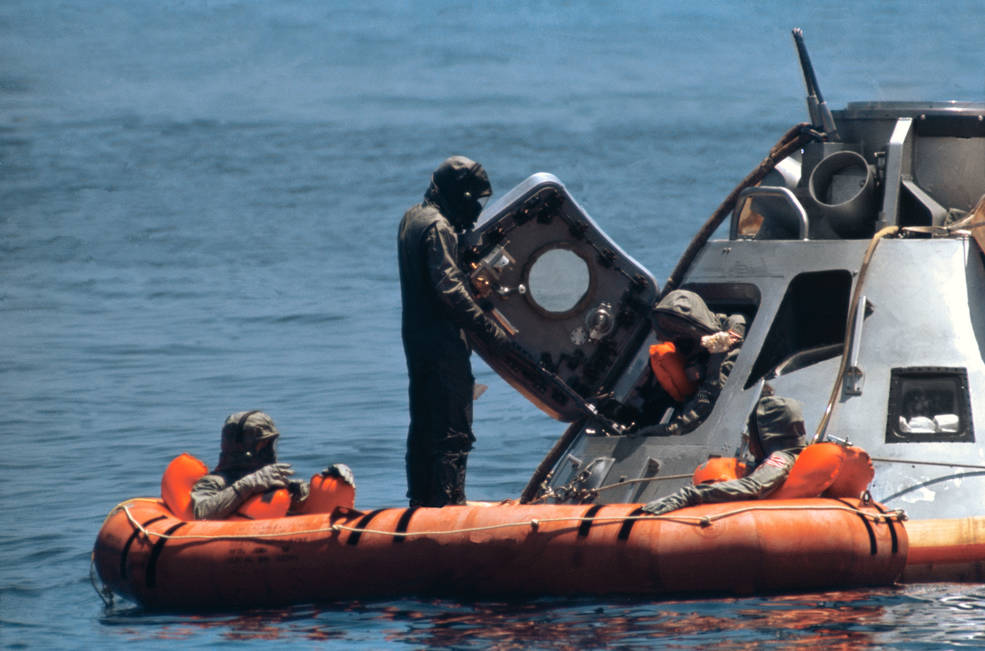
(766, 478)
(213, 499)
(451, 284)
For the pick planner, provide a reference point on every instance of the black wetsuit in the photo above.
(438, 309)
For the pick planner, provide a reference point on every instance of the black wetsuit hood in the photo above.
(457, 187)
(246, 443)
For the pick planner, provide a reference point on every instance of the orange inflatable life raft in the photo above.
(148, 552)
(669, 367)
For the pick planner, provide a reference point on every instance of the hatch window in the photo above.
(557, 281)
(929, 404)
(809, 326)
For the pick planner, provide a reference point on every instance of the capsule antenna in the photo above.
(817, 109)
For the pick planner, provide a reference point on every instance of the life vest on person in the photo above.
(718, 469)
(184, 470)
(821, 469)
(327, 494)
(855, 476)
(176, 484)
(669, 367)
(827, 469)
(274, 503)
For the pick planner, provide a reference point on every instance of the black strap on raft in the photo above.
(399, 534)
(588, 518)
(355, 535)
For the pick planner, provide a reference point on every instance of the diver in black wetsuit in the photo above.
(438, 308)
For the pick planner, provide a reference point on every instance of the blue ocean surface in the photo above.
(198, 212)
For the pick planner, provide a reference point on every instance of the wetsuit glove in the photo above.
(299, 490)
(665, 505)
(341, 471)
(273, 475)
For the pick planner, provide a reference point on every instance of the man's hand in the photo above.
(341, 471)
(664, 505)
(273, 475)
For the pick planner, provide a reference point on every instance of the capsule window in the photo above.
(929, 404)
(809, 326)
(557, 281)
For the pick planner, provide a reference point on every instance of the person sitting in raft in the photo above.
(776, 438)
(704, 346)
(247, 466)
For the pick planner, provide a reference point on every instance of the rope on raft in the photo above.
(896, 515)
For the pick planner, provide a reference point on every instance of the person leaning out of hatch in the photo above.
(693, 358)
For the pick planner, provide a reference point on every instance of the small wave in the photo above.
(301, 318)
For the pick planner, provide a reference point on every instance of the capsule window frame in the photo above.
(901, 377)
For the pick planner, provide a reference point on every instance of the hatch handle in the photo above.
(486, 274)
(854, 377)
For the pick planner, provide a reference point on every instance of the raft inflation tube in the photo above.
(946, 550)
(147, 554)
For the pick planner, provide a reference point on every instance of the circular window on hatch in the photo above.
(558, 280)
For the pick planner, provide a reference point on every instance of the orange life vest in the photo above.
(827, 469)
(821, 469)
(182, 473)
(272, 504)
(327, 494)
(856, 473)
(719, 469)
(669, 368)
(176, 484)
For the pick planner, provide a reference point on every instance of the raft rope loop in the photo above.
(103, 590)
(896, 515)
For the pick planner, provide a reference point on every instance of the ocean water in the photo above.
(198, 211)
